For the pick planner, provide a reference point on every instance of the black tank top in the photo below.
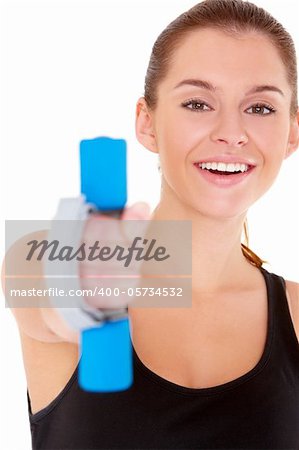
(258, 410)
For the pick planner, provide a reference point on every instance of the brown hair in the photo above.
(233, 17)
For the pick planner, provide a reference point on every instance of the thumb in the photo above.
(137, 211)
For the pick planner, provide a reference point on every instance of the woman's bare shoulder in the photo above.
(48, 368)
(292, 291)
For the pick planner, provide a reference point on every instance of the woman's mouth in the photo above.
(224, 174)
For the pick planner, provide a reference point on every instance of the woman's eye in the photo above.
(262, 110)
(196, 105)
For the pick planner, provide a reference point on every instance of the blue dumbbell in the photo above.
(106, 350)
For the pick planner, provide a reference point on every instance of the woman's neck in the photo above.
(218, 263)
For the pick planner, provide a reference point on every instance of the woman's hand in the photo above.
(110, 232)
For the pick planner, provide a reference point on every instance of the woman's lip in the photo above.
(223, 180)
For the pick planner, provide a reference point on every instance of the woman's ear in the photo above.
(293, 142)
(144, 126)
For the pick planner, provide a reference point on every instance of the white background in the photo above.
(73, 70)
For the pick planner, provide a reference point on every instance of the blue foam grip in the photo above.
(103, 172)
(106, 354)
(106, 360)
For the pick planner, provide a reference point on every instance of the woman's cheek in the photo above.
(268, 136)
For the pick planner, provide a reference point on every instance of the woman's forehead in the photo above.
(213, 55)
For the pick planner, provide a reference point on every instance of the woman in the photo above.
(220, 109)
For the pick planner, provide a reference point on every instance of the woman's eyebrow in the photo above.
(198, 83)
(207, 85)
(263, 88)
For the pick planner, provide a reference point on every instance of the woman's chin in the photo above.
(220, 211)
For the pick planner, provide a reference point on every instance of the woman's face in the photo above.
(237, 111)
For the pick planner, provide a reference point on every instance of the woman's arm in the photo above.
(46, 341)
(42, 324)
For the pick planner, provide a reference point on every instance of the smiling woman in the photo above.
(220, 109)
(236, 42)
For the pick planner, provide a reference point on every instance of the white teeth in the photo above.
(230, 167)
(223, 167)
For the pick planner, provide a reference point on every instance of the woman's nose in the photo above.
(229, 131)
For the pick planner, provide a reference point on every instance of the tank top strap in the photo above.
(284, 334)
